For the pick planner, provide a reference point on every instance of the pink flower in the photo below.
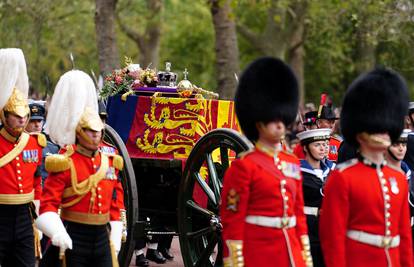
(118, 80)
(136, 84)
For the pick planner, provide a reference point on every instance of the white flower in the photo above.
(134, 67)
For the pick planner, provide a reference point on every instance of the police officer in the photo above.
(262, 201)
(20, 159)
(83, 180)
(364, 220)
(315, 171)
(35, 127)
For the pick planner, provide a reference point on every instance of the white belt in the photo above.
(374, 240)
(311, 210)
(274, 222)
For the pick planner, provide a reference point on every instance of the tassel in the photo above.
(37, 246)
(118, 162)
(56, 163)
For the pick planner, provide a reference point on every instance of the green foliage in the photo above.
(48, 30)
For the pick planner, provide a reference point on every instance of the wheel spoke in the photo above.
(224, 157)
(207, 252)
(213, 176)
(198, 233)
(205, 212)
(205, 188)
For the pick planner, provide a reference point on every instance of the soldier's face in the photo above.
(15, 123)
(398, 150)
(271, 133)
(94, 139)
(34, 126)
(322, 123)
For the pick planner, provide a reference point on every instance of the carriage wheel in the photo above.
(130, 195)
(199, 198)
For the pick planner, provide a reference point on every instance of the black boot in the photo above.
(166, 253)
(141, 261)
(155, 255)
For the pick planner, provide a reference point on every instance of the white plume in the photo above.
(74, 92)
(13, 74)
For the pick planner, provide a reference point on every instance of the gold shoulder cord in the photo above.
(24, 139)
(86, 186)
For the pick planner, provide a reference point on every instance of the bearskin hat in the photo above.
(376, 102)
(267, 91)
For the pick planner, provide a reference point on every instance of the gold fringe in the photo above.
(57, 163)
(37, 245)
(113, 255)
(118, 162)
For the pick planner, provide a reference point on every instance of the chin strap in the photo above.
(85, 137)
(306, 253)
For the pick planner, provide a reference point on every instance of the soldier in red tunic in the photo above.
(364, 220)
(83, 182)
(20, 159)
(262, 200)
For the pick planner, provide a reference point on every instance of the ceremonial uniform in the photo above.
(313, 182)
(364, 219)
(371, 210)
(20, 158)
(83, 188)
(88, 211)
(21, 184)
(262, 206)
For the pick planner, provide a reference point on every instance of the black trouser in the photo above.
(90, 247)
(16, 236)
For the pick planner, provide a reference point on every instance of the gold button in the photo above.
(99, 204)
(99, 189)
(17, 158)
(20, 185)
(388, 232)
(18, 171)
(93, 159)
(100, 212)
(99, 196)
(286, 207)
(283, 182)
(21, 191)
(18, 164)
(283, 190)
(387, 215)
(385, 189)
(19, 178)
(387, 197)
(94, 166)
(383, 181)
(286, 198)
(388, 223)
(387, 206)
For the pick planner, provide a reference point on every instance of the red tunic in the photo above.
(109, 192)
(255, 182)
(354, 200)
(22, 174)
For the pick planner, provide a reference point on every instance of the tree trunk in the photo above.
(366, 49)
(227, 51)
(147, 42)
(296, 50)
(105, 35)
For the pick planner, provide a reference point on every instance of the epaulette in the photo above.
(41, 139)
(244, 153)
(345, 165)
(117, 162)
(57, 163)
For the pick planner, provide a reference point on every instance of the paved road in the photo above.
(177, 262)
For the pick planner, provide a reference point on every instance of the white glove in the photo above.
(116, 234)
(51, 225)
(37, 206)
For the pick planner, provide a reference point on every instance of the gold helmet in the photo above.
(14, 84)
(74, 107)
